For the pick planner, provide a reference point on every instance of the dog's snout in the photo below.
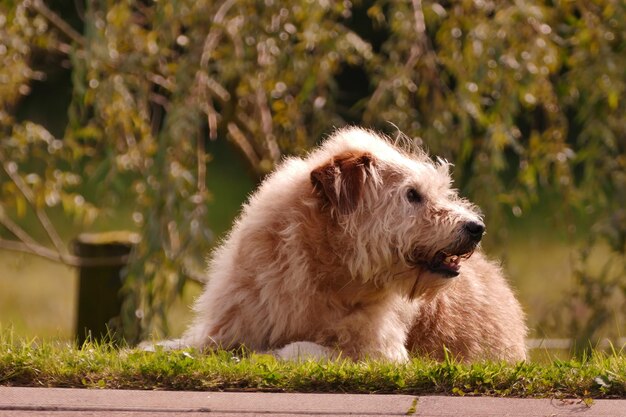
(475, 230)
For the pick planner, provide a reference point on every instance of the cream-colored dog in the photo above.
(360, 249)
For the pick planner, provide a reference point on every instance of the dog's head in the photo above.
(395, 210)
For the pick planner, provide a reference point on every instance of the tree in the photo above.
(521, 96)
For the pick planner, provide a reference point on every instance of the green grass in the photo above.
(57, 364)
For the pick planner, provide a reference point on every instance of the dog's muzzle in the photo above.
(447, 262)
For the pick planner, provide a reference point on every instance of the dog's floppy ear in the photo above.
(342, 180)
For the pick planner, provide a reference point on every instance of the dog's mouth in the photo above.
(445, 263)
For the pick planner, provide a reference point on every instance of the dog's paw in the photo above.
(302, 351)
(173, 344)
(400, 355)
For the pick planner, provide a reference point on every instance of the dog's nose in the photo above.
(475, 230)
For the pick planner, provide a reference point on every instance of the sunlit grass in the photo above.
(58, 364)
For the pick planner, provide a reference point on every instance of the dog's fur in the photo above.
(341, 249)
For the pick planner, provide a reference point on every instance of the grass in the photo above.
(57, 364)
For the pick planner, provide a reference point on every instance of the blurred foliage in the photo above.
(520, 95)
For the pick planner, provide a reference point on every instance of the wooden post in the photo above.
(100, 282)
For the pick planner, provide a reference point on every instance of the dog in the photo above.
(361, 249)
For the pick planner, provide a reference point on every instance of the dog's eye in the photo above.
(413, 196)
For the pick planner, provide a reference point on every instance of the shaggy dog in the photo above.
(359, 249)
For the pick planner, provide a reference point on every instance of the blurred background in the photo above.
(156, 120)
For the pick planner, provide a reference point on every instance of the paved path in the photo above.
(58, 402)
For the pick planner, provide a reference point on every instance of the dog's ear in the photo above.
(342, 180)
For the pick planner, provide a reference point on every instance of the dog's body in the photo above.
(356, 248)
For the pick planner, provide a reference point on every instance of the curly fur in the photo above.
(329, 250)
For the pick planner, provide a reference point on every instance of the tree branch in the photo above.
(16, 229)
(212, 117)
(240, 139)
(40, 7)
(201, 161)
(266, 125)
(418, 50)
(70, 260)
(420, 25)
(53, 235)
(215, 34)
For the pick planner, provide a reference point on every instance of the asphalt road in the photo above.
(96, 402)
